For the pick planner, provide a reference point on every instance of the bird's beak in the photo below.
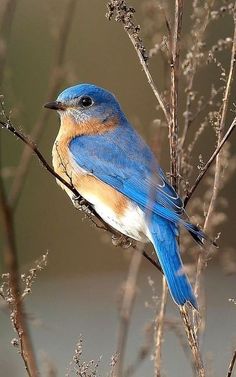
(55, 105)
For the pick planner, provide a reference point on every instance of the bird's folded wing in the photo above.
(135, 174)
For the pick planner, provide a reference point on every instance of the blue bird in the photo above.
(110, 165)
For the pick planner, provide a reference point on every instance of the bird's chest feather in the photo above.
(112, 206)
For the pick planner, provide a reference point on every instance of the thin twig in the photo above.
(176, 327)
(127, 307)
(124, 14)
(231, 365)
(197, 360)
(197, 45)
(56, 78)
(218, 167)
(89, 210)
(174, 74)
(173, 137)
(151, 81)
(173, 141)
(160, 322)
(226, 98)
(209, 162)
(15, 304)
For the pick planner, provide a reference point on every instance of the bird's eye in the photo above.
(86, 101)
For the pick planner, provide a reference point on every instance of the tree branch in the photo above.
(209, 162)
(127, 307)
(86, 206)
(124, 14)
(231, 365)
(160, 322)
(174, 74)
(15, 303)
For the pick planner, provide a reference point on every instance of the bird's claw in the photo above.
(121, 240)
(81, 204)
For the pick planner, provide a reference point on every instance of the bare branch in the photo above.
(160, 322)
(209, 162)
(124, 14)
(174, 72)
(15, 304)
(231, 365)
(218, 167)
(196, 48)
(226, 98)
(84, 205)
(197, 360)
(127, 307)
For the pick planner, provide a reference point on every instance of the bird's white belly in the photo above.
(132, 223)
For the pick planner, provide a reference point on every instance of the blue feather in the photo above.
(167, 249)
(121, 159)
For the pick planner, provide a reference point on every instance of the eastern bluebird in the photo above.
(110, 165)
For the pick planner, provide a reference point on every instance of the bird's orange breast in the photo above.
(90, 187)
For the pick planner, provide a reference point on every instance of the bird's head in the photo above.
(86, 103)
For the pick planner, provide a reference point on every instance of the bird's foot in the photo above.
(121, 240)
(81, 204)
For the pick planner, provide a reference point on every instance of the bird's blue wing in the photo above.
(127, 164)
(121, 159)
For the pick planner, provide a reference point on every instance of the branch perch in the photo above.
(86, 206)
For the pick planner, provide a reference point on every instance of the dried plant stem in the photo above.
(150, 80)
(231, 365)
(197, 46)
(160, 322)
(174, 148)
(209, 162)
(127, 307)
(174, 73)
(218, 167)
(16, 304)
(197, 360)
(124, 14)
(56, 78)
(173, 140)
(226, 98)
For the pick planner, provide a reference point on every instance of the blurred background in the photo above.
(59, 42)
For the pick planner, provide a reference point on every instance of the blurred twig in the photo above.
(231, 365)
(10, 253)
(127, 307)
(15, 304)
(55, 81)
(160, 321)
(218, 167)
(226, 98)
(195, 50)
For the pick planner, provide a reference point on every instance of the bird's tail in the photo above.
(167, 249)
